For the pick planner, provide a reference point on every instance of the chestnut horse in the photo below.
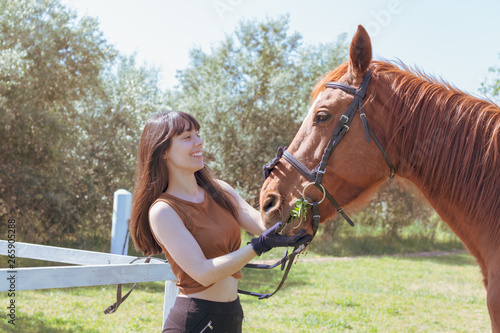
(444, 141)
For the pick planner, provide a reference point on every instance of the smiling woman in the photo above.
(181, 210)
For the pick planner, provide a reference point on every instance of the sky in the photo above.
(456, 41)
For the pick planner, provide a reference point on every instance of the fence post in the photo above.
(119, 227)
(171, 292)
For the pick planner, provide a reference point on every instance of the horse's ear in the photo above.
(360, 53)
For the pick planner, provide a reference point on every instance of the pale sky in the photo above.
(456, 41)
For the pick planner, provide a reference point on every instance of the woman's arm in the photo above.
(248, 217)
(169, 229)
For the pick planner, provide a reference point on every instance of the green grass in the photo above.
(385, 294)
(432, 294)
(376, 240)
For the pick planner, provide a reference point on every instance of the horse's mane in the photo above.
(449, 139)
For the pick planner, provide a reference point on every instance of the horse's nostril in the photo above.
(271, 203)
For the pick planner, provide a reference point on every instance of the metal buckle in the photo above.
(345, 121)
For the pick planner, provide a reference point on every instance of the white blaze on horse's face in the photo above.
(311, 109)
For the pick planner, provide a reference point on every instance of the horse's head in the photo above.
(355, 165)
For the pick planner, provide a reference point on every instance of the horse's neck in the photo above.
(441, 149)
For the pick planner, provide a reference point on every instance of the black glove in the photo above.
(270, 239)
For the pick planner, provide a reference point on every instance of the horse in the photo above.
(412, 127)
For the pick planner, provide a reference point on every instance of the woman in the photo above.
(180, 209)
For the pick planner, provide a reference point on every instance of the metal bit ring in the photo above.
(304, 192)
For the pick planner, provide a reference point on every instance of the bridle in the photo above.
(315, 176)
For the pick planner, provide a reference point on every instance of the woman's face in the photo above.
(185, 152)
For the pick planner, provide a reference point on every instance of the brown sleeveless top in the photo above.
(214, 228)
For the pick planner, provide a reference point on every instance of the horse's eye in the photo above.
(322, 117)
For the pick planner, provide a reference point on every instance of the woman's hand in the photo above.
(271, 239)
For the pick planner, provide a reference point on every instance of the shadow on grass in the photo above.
(158, 286)
(32, 324)
(462, 259)
(380, 245)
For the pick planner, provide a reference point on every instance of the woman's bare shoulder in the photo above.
(162, 213)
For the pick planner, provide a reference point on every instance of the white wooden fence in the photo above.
(94, 268)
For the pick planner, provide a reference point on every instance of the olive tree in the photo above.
(250, 93)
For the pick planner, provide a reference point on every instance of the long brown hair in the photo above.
(151, 175)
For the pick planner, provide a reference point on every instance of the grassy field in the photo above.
(384, 294)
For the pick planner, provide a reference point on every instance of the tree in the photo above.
(250, 94)
(52, 60)
(109, 130)
(491, 85)
(71, 111)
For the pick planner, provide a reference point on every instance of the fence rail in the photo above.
(94, 268)
(64, 255)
